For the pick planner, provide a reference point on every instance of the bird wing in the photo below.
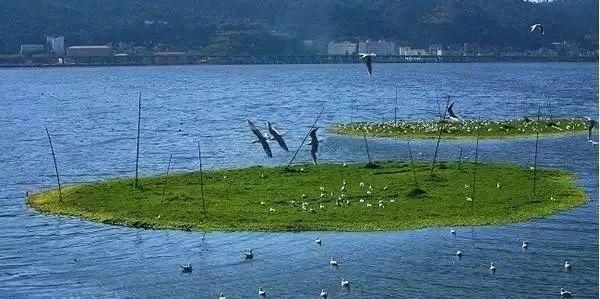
(255, 131)
(451, 111)
(369, 63)
(261, 139)
(277, 136)
(266, 147)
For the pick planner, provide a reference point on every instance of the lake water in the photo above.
(91, 114)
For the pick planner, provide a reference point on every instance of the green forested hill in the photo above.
(278, 26)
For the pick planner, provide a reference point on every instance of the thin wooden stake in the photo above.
(460, 155)
(166, 178)
(412, 164)
(441, 129)
(201, 180)
(306, 136)
(475, 169)
(367, 147)
(396, 108)
(537, 138)
(137, 149)
(60, 198)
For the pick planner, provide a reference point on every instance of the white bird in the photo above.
(381, 205)
(497, 185)
(321, 206)
(368, 59)
(323, 294)
(369, 205)
(345, 283)
(318, 240)
(525, 245)
(537, 26)
(277, 136)
(361, 184)
(186, 268)
(322, 188)
(222, 296)
(271, 210)
(314, 142)
(249, 254)
(567, 265)
(492, 267)
(564, 293)
(451, 116)
(262, 203)
(261, 139)
(261, 292)
(453, 231)
(361, 200)
(333, 262)
(459, 253)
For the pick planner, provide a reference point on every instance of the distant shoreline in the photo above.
(43, 62)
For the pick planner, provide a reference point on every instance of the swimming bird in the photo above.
(222, 296)
(314, 142)
(368, 59)
(261, 292)
(453, 231)
(345, 283)
(318, 240)
(333, 262)
(564, 293)
(459, 253)
(492, 267)
(537, 26)
(249, 254)
(186, 268)
(261, 139)
(277, 136)
(451, 116)
(567, 265)
(525, 245)
(323, 294)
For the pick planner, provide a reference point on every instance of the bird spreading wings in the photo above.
(277, 136)
(261, 139)
(368, 59)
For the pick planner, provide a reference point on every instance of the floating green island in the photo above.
(310, 197)
(490, 129)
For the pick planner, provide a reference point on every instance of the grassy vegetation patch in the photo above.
(423, 129)
(322, 197)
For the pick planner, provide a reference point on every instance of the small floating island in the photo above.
(375, 197)
(466, 129)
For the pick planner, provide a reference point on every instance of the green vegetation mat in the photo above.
(281, 199)
(464, 130)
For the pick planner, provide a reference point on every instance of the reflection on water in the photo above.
(91, 114)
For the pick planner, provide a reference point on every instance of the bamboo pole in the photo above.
(367, 147)
(412, 164)
(137, 149)
(396, 108)
(475, 169)
(537, 138)
(201, 180)
(306, 136)
(55, 166)
(166, 178)
(441, 129)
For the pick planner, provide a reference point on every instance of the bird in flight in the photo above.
(277, 136)
(451, 115)
(368, 59)
(261, 139)
(537, 26)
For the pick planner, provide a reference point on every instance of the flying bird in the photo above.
(368, 59)
(261, 139)
(451, 116)
(537, 26)
(591, 125)
(277, 136)
(315, 144)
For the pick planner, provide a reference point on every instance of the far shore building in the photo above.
(380, 47)
(341, 48)
(89, 51)
(170, 57)
(436, 50)
(408, 51)
(29, 50)
(55, 45)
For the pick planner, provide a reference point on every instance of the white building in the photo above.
(56, 45)
(343, 48)
(408, 51)
(382, 48)
(436, 49)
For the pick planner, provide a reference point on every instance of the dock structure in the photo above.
(180, 58)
